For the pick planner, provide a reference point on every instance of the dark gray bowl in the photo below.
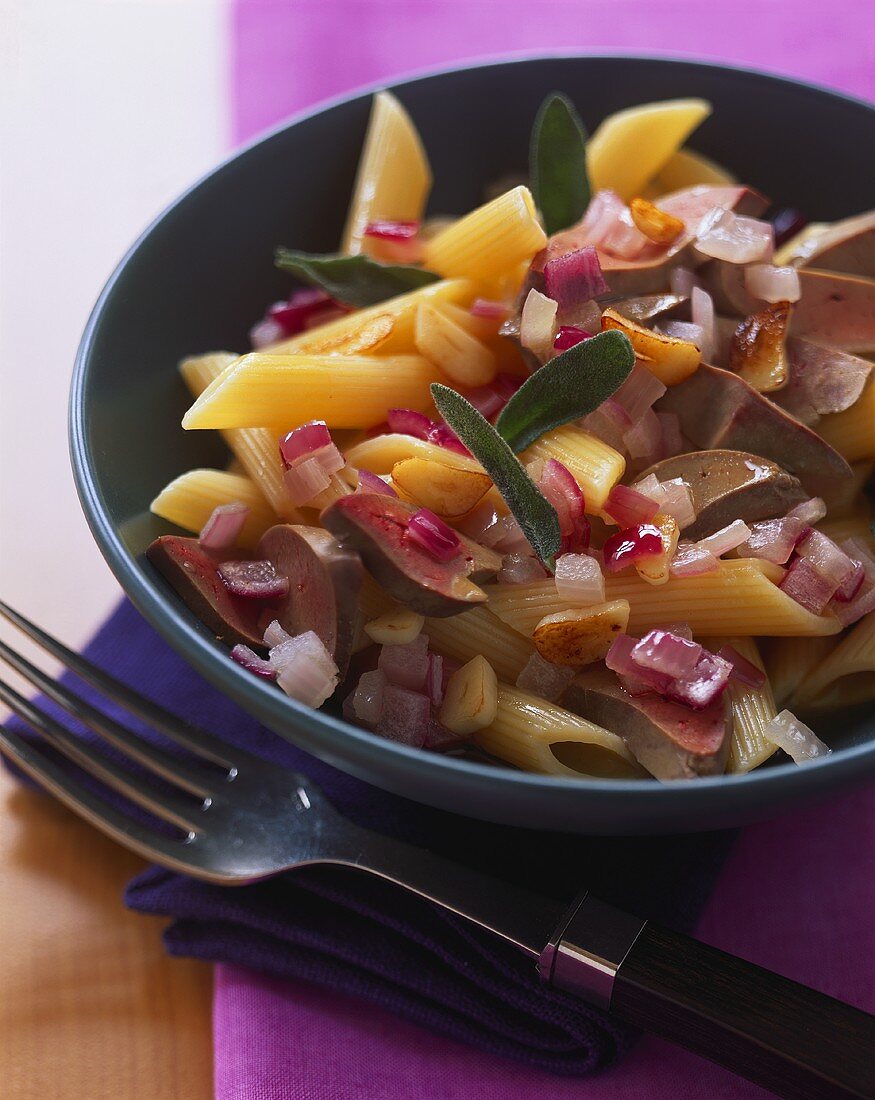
(203, 273)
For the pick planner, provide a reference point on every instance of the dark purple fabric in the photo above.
(351, 934)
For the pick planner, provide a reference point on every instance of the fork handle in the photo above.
(791, 1039)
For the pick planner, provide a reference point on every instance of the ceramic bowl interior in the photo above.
(203, 273)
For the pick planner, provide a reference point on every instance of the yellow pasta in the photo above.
(538, 736)
(595, 466)
(847, 676)
(687, 169)
(852, 432)
(394, 177)
(857, 525)
(739, 597)
(490, 240)
(386, 327)
(752, 710)
(189, 500)
(464, 359)
(281, 391)
(842, 496)
(255, 448)
(790, 660)
(382, 452)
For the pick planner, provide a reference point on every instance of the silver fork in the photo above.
(231, 818)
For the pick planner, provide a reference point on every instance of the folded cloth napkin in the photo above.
(347, 932)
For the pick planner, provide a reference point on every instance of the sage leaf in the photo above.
(557, 164)
(535, 514)
(353, 280)
(569, 386)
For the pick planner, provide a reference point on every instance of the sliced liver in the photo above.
(822, 380)
(847, 247)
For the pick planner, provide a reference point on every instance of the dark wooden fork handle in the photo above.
(793, 1040)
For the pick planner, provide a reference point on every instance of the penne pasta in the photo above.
(380, 453)
(595, 466)
(394, 177)
(386, 327)
(686, 168)
(464, 359)
(189, 500)
(280, 392)
(856, 525)
(846, 677)
(843, 496)
(538, 736)
(752, 710)
(740, 597)
(789, 660)
(255, 448)
(852, 432)
(490, 240)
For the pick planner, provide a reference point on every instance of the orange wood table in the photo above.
(90, 1006)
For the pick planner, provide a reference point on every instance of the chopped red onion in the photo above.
(305, 480)
(809, 511)
(575, 277)
(406, 716)
(409, 422)
(682, 281)
(569, 336)
(825, 556)
(852, 584)
(852, 611)
(253, 580)
(635, 678)
(672, 497)
(743, 670)
(774, 539)
(609, 421)
(639, 392)
(734, 238)
(672, 442)
(367, 700)
(702, 312)
(643, 439)
(726, 539)
(544, 679)
(558, 485)
(807, 586)
(682, 630)
(222, 529)
(305, 669)
(250, 660)
(391, 230)
(433, 535)
(434, 680)
(683, 330)
(772, 284)
(372, 483)
(633, 544)
(690, 560)
(579, 580)
(520, 569)
(537, 324)
(794, 737)
(304, 442)
(406, 665)
(619, 234)
(708, 680)
(274, 635)
(487, 307)
(509, 537)
(285, 319)
(265, 332)
(628, 506)
(442, 435)
(491, 398)
(666, 653)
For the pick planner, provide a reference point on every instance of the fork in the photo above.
(230, 818)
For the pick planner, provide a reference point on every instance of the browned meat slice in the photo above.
(324, 584)
(837, 310)
(670, 740)
(717, 409)
(730, 485)
(376, 527)
(847, 246)
(822, 380)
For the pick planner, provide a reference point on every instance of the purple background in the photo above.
(797, 894)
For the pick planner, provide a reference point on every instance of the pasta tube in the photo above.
(687, 169)
(490, 240)
(188, 501)
(255, 448)
(852, 432)
(847, 676)
(394, 177)
(381, 453)
(790, 660)
(857, 525)
(752, 710)
(281, 391)
(739, 597)
(463, 358)
(538, 736)
(594, 465)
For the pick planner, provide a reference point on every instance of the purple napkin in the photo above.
(350, 934)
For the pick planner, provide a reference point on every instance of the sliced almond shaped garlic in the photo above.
(446, 489)
(578, 637)
(655, 570)
(670, 359)
(757, 351)
(657, 225)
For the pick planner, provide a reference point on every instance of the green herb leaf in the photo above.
(557, 164)
(353, 280)
(534, 513)
(567, 387)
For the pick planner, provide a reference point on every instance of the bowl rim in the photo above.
(316, 730)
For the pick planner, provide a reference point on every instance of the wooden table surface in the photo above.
(90, 1006)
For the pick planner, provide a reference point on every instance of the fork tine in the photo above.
(168, 805)
(183, 733)
(180, 772)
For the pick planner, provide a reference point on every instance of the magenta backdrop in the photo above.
(798, 894)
